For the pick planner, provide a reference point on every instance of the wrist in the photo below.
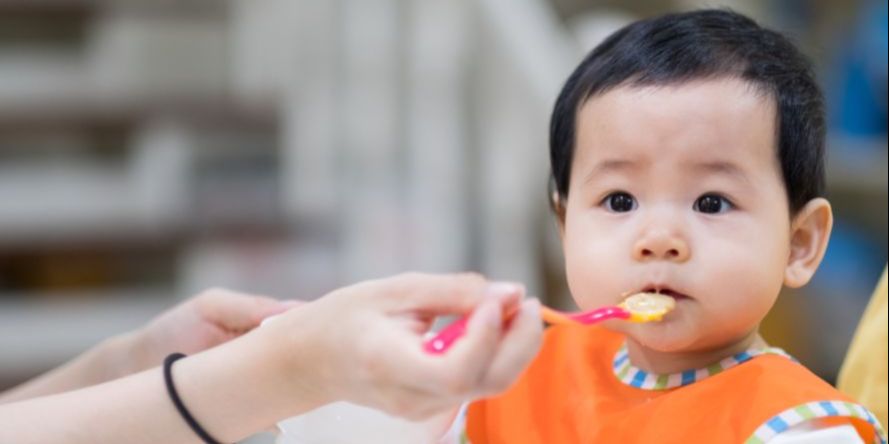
(123, 355)
(294, 369)
(239, 387)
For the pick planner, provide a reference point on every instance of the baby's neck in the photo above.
(657, 362)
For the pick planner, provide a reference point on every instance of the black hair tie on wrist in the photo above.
(174, 396)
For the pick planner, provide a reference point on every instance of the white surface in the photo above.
(345, 423)
(805, 434)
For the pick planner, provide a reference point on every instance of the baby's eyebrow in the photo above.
(721, 167)
(609, 166)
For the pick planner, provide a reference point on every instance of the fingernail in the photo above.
(503, 289)
(488, 314)
(533, 304)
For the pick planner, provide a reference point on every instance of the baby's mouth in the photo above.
(666, 291)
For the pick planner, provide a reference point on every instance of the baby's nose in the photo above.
(661, 244)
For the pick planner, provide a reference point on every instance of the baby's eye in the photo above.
(619, 202)
(712, 204)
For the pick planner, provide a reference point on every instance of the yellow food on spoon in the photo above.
(647, 307)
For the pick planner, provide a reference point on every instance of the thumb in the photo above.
(451, 294)
(239, 311)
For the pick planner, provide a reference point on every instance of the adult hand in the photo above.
(363, 343)
(211, 318)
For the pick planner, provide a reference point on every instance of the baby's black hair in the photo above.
(703, 44)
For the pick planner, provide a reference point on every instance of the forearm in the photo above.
(232, 390)
(111, 359)
(246, 385)
(132, 409)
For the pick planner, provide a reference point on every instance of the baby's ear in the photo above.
(558, 206)
(809, 233)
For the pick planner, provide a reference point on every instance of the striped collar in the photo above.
(634, 376)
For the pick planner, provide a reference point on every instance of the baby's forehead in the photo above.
(725, 117)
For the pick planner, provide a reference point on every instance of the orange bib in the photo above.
(571, 394)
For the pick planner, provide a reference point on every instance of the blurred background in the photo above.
(151, 149)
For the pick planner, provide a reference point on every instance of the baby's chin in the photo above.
(664, 337)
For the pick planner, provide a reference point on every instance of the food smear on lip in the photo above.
(647, 306)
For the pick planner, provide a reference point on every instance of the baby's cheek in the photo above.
(746, 293)
(589, 286)
(594, 265)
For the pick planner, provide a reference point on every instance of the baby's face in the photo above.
(679, 189)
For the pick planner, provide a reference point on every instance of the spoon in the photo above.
(640, 307)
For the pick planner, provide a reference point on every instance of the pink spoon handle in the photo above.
(446, 337)
(443, 340)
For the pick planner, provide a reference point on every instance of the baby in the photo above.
(687, 160)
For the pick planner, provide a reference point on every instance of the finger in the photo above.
(462, 368)
(283, 306)
(449, 294)
(287, 304)
(435, 292)
(518, 347)
(444, 338)
(454, 372)
(238, 311)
